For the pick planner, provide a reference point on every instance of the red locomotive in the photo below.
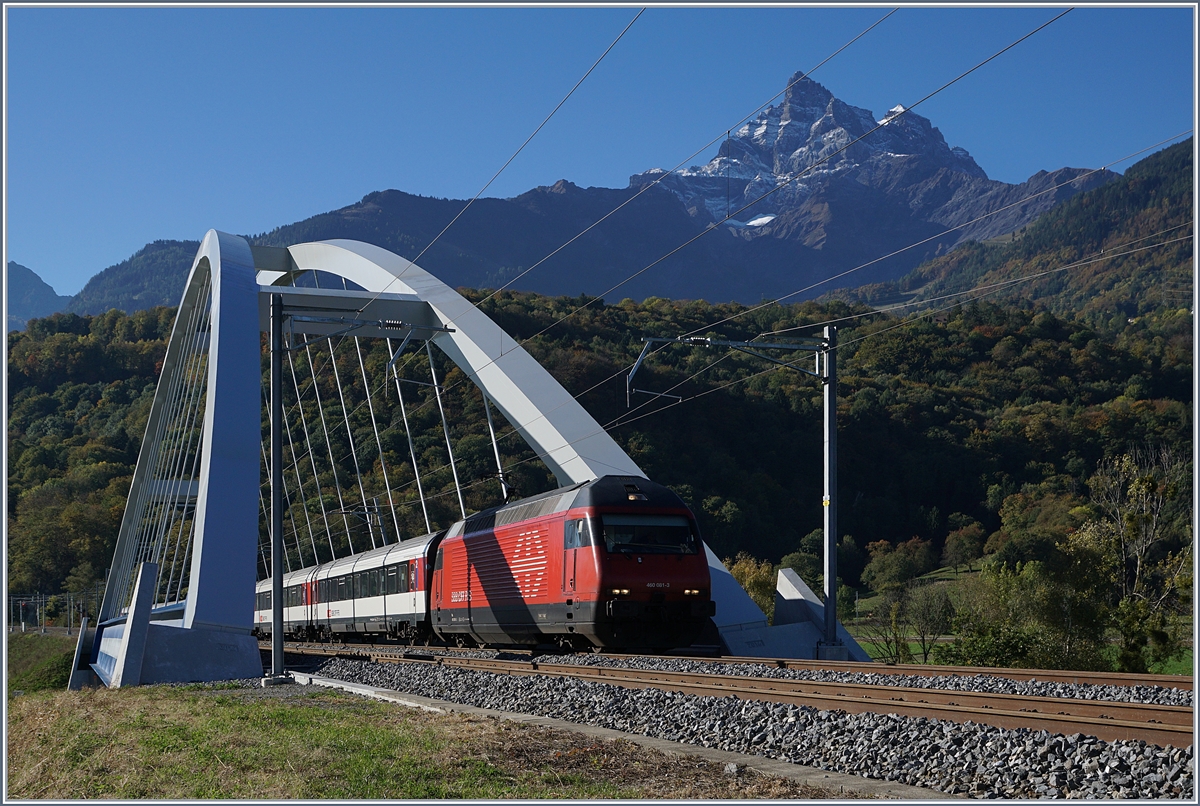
(613, 563)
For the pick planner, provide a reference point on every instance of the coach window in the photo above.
(414, 582)
(577, 534)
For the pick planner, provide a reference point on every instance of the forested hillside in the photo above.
(154, 275)
(1048, 427)
(941, 423)
(1108, 237)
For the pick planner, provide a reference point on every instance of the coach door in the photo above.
(438, 579)
(572, 540)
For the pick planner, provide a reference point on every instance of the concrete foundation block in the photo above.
(178, 655)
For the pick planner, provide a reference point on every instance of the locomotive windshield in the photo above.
(648, 534)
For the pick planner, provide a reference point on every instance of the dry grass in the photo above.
(293, 742)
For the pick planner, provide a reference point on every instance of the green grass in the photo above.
(873, 650)
(868, 600)
(157, 742)
(190, 742)
(38, 661)
(1184, 665)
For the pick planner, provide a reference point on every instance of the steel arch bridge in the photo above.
(180, 592)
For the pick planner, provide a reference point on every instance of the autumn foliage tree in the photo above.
(1144, 496)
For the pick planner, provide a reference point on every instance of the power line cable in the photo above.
(755, 308)
(805, 172)
(1007, 283)
(659, 179)
(976, 220)
(514, 156)
(758, 109)
(928, 300)
(987, 290)
(794, 178)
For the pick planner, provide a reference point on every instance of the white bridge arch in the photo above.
(565, 436)
(179, 598)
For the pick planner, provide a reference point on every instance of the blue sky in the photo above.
(126, 125)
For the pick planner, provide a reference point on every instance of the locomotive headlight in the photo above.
(620, 591)
(691, 592)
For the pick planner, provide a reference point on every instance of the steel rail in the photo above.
(1157, 724)
(1105, 720)
(1182, 682)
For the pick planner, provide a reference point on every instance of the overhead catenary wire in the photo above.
(660, 178)
(780, 300)
(644, 188)
(987, 290)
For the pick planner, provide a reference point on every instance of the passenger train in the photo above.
(613, 563)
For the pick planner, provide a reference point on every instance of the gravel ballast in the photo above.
(1150, 695)
(969, 759)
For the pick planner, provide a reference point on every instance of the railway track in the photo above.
(1181, 682)
(1157, 724)
(927, 670)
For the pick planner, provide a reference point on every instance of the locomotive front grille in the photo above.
(655, 611)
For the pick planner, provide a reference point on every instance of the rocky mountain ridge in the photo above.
(812, 188)
(813, 153)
